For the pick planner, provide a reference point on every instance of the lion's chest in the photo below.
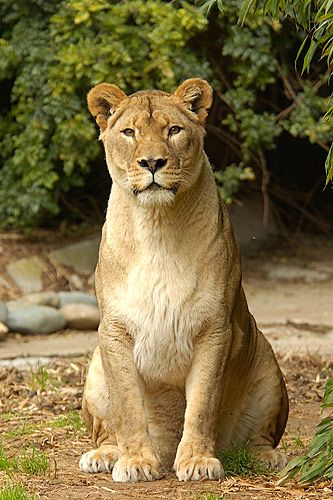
(163, 305)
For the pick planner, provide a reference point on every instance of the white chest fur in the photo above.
(163, 306)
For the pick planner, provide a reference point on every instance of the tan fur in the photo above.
(181, 371)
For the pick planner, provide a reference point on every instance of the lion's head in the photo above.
(153, 140)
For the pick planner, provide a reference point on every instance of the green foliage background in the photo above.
(314, 18)
(51, 53)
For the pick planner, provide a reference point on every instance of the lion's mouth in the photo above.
(154, 186)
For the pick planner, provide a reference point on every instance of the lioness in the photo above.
(181, 370)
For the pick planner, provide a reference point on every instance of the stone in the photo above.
(76, 297)
(14, 304)
(35, 319)
(91, 280)
(3, 330)
(82, 256)
(27, 274)
(47, 298)
(81, 316)
(3, 312)
(76, 282)
(293, 273)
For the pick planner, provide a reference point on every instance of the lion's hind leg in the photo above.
(264, 446)
(273, 458)
(101, 459)
(267, 434)
(105, 455)
(96, 414)
(271, 421)
(255, 408)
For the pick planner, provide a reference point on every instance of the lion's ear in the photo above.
(197, 95)
(103, 100)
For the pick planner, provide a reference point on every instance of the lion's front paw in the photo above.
(275, 459)
(134, 469)
(99, 460)
(199, 468)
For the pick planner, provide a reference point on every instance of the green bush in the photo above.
(263, 97)
(51, 53)
(315, 21)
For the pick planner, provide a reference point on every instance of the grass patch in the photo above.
(33, 463)
(30, 462)
(39, 379)
(242, 462)
(72, 420)
(298, 443)
(15, 492)
(23, 430)
(7, 464)
(7, 416)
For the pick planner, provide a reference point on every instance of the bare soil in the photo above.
(28, 413)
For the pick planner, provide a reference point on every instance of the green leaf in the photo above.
(246, 7)
(300, 50)
(329, 166)
(317, 470)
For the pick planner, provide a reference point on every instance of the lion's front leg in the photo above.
(137, 458)
(195, 458)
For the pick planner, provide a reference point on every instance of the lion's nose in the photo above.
(152, 164)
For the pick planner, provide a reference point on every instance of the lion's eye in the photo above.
(129, 132)
(174, 130)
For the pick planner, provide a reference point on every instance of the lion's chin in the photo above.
(155, 197)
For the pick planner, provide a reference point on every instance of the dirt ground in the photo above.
(297, 317)
(31, 410)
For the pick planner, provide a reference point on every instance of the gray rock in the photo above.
(292, 273)
(82, 256)
(3, 312)
(35, 319)
(76, 282)
(3, 330)
(14, 304)
(81, 316)
(76, 297)
(27, 274)
(47, 298)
